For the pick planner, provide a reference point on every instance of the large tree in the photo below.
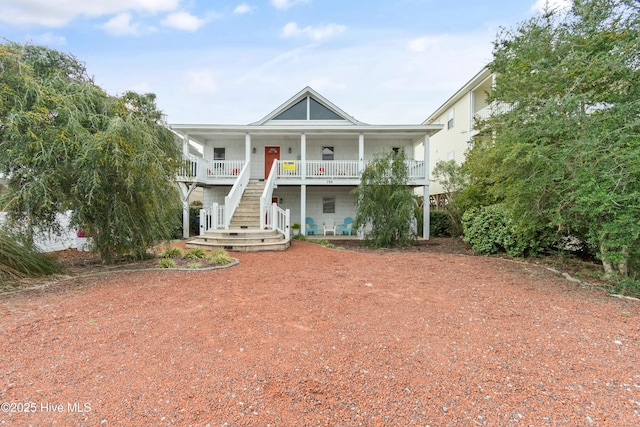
(564, 157)
(385, 202)
(68, 145)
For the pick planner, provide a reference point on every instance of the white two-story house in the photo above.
(457, 115)
(305, 157)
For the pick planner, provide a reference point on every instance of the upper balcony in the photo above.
(291, 172)
(196, 169)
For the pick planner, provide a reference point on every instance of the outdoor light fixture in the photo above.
(289, 150)
(254, 150)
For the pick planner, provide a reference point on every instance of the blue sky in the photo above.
(233, 62)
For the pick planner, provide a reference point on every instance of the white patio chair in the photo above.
(329, 225)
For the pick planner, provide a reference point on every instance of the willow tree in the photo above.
(68, 145)
(385, 202)
(564, 157)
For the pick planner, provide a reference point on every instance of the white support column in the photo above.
(247, 148)
(303, 209)
(427, 204)
(361, 153)
(185, 192)
(303, 156)
(185, 145)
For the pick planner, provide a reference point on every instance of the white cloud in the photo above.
(560, 5)
(122, 25)
(243, 8)
(201, 82)
(314, 33)
(422, 44)
(49, 39)
(286, 4)
(183, 21)
(50, 13)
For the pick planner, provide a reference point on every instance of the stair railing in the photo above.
(267, 194)
(212, 218)
(232, 200)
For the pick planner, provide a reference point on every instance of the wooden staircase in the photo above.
(247, 215)
(244, 233)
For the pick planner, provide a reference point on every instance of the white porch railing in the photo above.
(265, 199)
(277, 219)
(332, 169)
(232, 200)
(223, 168)
(212, 218)
(494, 108)
(289, 168)
(416, 169)
(198, 169)
(189, 169)
(336, 169)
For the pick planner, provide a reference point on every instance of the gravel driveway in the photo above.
(313, 336)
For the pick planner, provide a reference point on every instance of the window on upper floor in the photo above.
(219, 153)
(327, 153)
(308, 108)
(450, 119)
(297, 111)
(318, 111)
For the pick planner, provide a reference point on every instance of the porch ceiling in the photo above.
(410, 132)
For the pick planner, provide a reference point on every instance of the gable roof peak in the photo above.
(308, 92)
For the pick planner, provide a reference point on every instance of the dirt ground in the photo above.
(314, 336)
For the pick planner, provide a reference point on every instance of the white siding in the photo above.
(215, 194)
(345, 205)
(234, 148)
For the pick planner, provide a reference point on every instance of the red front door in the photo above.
(270, 154)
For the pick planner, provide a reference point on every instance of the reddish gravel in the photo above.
(313, 336)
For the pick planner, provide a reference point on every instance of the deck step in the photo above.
(241, 240)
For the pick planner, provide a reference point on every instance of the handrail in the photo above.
(269, 185)
(232, 200)
(278, 219)
(212, 218)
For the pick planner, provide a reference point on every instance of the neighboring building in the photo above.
(306, 156)
(457, 116)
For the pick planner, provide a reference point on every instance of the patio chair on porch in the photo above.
(329, 225)
(346, 227)
(311, 226)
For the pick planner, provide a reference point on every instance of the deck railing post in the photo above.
(203, 221)
(287, 224)
(214, 216)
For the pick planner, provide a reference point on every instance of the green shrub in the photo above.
(20, 258)
(439, 224)
(172, 253)
(219, 258)
(166, 263)
(491, 229)
(195, 254)
(194, 265)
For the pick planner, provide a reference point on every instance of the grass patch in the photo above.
(172, 253)
(19, 258)
(195, 254)
(166, 263)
